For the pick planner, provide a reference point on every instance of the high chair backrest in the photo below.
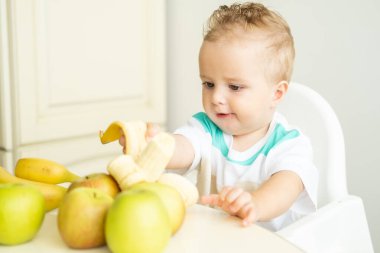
(305, 108)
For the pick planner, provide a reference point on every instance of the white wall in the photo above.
(337, 44)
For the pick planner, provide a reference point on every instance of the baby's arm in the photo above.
(183, 155)
(270, 200)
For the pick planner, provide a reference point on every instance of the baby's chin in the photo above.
(227, 130)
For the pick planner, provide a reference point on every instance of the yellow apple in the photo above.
(137, 222)
(171, 199)
(81, 217)
(101, 181)
(22, 211)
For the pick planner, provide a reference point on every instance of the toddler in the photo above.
(262, 168)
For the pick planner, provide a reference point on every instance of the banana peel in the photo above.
(114, 131)
(133, 131)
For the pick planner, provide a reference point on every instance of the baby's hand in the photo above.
(151, 130)
(236, 202)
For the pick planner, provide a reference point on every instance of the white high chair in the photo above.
(339, 224)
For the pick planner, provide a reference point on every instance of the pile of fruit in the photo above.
(135, 207)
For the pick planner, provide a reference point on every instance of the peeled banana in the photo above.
(187, 189)
(145, 162)
(53, 194)
(121, 168)
(149, 165)
(156, 156)
(43, 170)
(134, 132)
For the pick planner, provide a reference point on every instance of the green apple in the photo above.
(171, 199)
(101, 181)
(22, 211)
(81, 217)
(137, 222)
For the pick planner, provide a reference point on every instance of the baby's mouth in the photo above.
(223, 115)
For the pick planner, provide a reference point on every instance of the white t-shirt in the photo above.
(284, 147)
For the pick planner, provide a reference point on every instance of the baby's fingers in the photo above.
(152, 129)
(224, 192)
(249, 216)
(122, 141)
(212, 199)
(233, 195)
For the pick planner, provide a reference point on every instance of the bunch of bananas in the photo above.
(144, 161)
(42, 174)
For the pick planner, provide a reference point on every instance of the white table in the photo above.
(204, 230)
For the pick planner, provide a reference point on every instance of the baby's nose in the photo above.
(218, 97)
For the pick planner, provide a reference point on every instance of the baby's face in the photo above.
(236, 94)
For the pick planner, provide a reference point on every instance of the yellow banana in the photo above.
(133, 131)
(187, 189)
(53, 194)
(43, 170)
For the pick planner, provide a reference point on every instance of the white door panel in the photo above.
(80, 64)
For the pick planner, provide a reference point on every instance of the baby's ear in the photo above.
(279, 91)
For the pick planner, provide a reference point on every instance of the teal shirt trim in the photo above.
(278, 135)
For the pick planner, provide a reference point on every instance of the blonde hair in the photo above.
(253, 17)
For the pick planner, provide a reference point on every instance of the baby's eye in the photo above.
(234, 87)
(208, 84)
